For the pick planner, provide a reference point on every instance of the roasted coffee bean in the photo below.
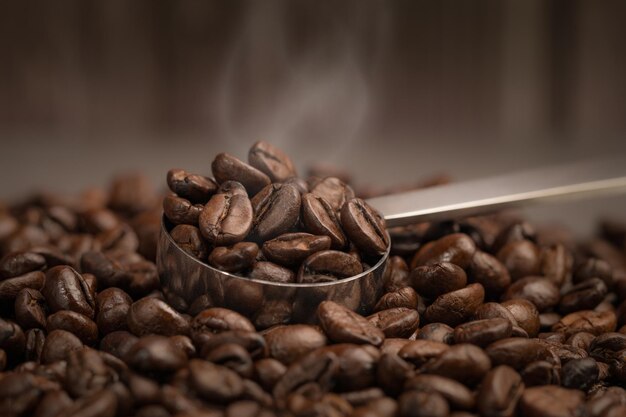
(594, 268)
(356, 366)
(393, 345)
(538, 290)
(587, 321)
(289, 343)
(319, 218)
(271, 161)
(118, 343)
(215, 383)
(483, 332)
(189, 239)
(580, 373)
(419, 352)
(9, 288)
(195, 188)
(392, 372)
(457, 306)
(276, 210)
(437, 332)
(30, 309)
(383, 407)
(457, 248)
(291, 249)
(226, 167)
(12, 338)
(521, 258)
(113, 307)
(457, 395)
(582, 340)
(317, 367)
(153, 316)
(365, 227)
(20, 263)
(463, 362)
(525, 314)
(21, 391)
(515, 232)
(422, 404)
(216, 320)
(66, 289)
(253, 342)
(403, 297)
(396, 274)
(58, 345)
(583, 296)
(268, 371)
(79, 325)
(488, 271)
(233, 357)
(552, 401)
(540, 373)
(155, 354)
(556, 264)
(605, 346)
(181, 211)
(343, 325)
(86, 373)
(329, 265)
(53, 403)
(517, 352)
(35, 339)
(396, 322)
(437, 279)
(226, 219)
(499, 392)
(334, 191)
(235, 258)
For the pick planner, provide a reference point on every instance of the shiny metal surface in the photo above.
(190, 285)
(578, 180)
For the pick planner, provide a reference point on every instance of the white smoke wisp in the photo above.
(301, 92)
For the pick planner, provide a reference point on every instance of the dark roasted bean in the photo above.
(422, 404)
(552, 401)
(20, 263)
(396, 274)
(580, 373)
(538, 290)
(35, 339)
(30, 309)
(289, 343)
(540, 373)
(226, 167)
(334, 191)
(499, 392)
(437, 279)
(457, 248)
(276, 210)
(9, 288)
(113, 307)
(464, 362)
(327, 266)
(319, 218)
(483, 332)
(396, 322)
(587, 321)
(189, 239)
(291, 249)
(584, 296)
(181, 211)
(345, 326)
(517, 352)
(419, 352)
(521, 258)
(488, 271)
(153, 316)
(403, 297)
(233, 357)
(118, 343)
(457, 395)
(525, 314)
(365, 227)
(457, 306)
(268, 371)
(195, 188)
(272, 161)
(226, 219)
(437, 332)
(556, 264)
(234, 258)
(59, 344)
(66, 289)
(155, 354)
(79, 325)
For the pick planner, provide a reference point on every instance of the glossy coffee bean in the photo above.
(419, 352)
(457, 306)
(118, 343)
(271, 161)
(216, 320)
(538, 373)
(226, 167)
(113, 307)
(58, 345)
(457, 248)
(392, 373)
(10, 287)
(86, 373)
(437, 332)
(276, 210)
(268, 371)
(463, 362)
(594, 268)
(319, 218)
(235, 258)
(587, 321)
(403, 297)
(356, 365)
(30, 309)
(525, 314)
(79, 325)
(521, 258)
(189, 239)
(155, 355)
(500, 392)
(458, 395)
(150, 315)
(437, 279)
(515, 232)
(193, 187)
(517, 352)
(552, 401)
(334, 191)
(66, 289)
(422, 404)
(291, 249)
(289, 343)
(538, 290)
(483, 332)
(215, 383)
(181, 211)
(327, 266)
(342, 325)
(396, 322)
(556, 264)
(488, 271)
(396, 274)
(580, 373)
(226, 219)
(583, 296)
(233, 357)
(365, 227)
(20, 263)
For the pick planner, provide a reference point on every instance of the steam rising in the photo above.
(285, 82)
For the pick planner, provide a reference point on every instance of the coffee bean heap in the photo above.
(261, 216)
(485, 316)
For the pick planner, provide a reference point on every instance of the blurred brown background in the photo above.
(392, 90)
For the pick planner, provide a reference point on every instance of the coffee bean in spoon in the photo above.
(272, 161)
(226, 219)
(226, 167)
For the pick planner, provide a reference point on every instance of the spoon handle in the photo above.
(548, 184)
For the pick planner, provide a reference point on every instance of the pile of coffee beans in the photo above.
(484, 316)
(260, 216)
